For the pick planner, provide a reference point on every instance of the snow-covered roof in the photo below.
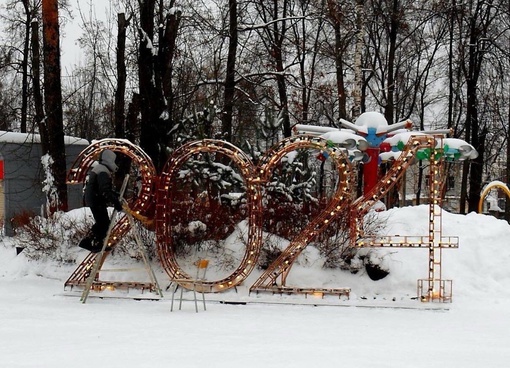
(347, 139)
(454, 148)
(372, 119)
(403, 137)
(21, 138)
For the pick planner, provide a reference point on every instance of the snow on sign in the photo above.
(158, 202)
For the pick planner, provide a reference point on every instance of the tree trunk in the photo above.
(358, 72)
(24, 68)
(308, 64)
(150, 105)
(279, 36)
(53, 102)
(36, 85)
(475, 178)
(132, 124)
(507, 203)
(463, 187)
(228, 108)
(450, 65)
(389, 111)
(284, 99)
(476, 172)
(121, 75)
(477, 138)
(340, 83)
(335, 14)
(167, 51)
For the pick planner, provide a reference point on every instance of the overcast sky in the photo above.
(70, 33)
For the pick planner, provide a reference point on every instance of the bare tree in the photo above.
(18, 21)
(155, 73)
(476, 27)
(274, 13)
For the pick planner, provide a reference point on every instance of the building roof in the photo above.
(21, 138)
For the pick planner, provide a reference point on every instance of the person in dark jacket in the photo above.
(99, 194)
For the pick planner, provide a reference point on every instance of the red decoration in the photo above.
(385, 147)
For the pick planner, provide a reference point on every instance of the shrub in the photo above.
(50, 237)
(128, 246)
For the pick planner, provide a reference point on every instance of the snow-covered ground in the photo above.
(380, 326)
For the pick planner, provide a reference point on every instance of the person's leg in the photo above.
(102, 221)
